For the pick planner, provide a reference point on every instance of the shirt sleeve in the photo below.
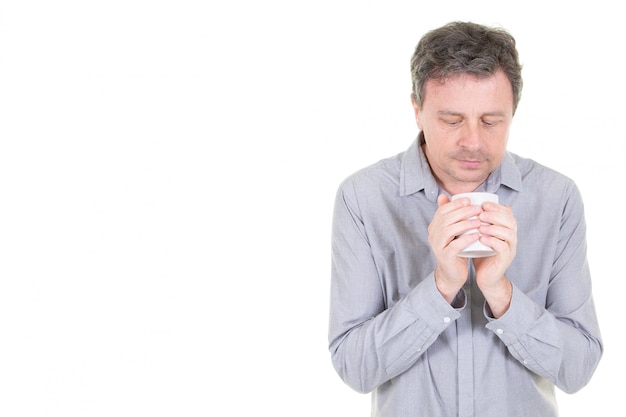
(560, 340)
(370, 343)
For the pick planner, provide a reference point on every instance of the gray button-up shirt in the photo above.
(392, 333)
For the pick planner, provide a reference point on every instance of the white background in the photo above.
(167, 175)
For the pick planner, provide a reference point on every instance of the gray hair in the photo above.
(465, 48)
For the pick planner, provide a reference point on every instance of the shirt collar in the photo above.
(415, 174)
(507, 174)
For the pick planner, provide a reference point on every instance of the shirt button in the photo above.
(499, 331)
(446, 319)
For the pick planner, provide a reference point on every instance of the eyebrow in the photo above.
(455, 113)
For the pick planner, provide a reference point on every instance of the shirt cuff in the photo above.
(518, 319)
(426, 301)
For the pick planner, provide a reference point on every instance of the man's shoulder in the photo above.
(538, 174)
(385, 172)
(531, 166)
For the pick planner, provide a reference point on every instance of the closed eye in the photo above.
(452, 122)
(490, 122)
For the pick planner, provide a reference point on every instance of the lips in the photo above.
(470, 164)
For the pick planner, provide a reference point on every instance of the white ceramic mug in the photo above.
(477, 249)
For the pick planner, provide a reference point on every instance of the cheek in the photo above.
(497, 139)
(496, 149)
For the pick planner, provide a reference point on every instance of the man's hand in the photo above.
(451, 221)
(499, 231)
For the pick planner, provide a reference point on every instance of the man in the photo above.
(434, 334)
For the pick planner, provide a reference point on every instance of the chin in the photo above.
(473, 179)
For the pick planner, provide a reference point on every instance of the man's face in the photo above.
(466, 123)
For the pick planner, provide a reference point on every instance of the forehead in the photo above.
(492, 93)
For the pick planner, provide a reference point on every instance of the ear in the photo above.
(418, 113)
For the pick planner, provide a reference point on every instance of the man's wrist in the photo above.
(499, 298)
(447, 290)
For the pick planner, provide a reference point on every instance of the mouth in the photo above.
(470, 163)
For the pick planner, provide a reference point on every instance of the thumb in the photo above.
(442, 199)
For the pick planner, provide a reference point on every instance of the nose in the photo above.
(471, 136)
